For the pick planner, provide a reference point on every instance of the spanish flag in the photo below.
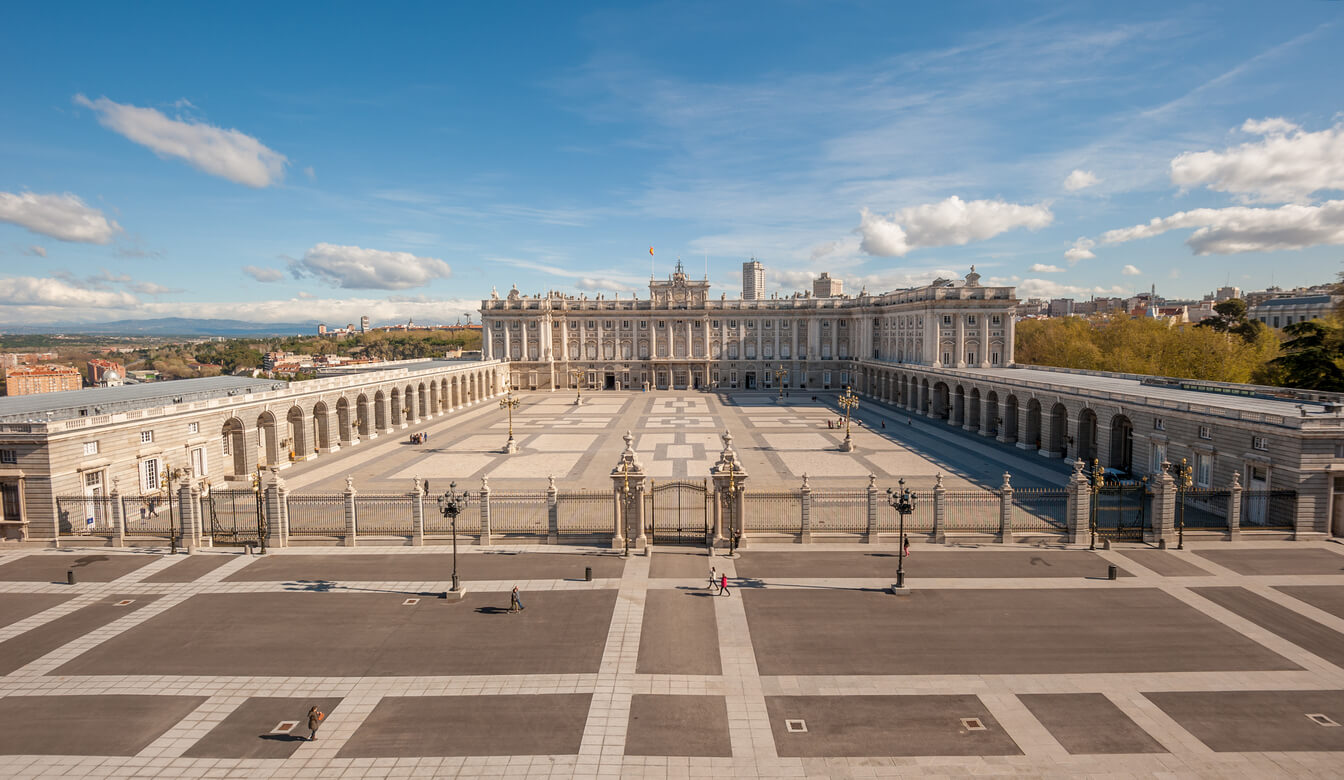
(650, 251)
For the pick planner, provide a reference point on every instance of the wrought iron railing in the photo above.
(1037, 510)
(584, 512)
(519, 512)
(839, 510)
(777, 511)
(383, 514)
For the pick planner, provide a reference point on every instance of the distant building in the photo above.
(105, 373)
(31, 380)
(1226, 294)
(1060, 307)
(322, 329)
(364, 324)
(826, 287)
(1282, 312)
(753, 281)
(16, 359)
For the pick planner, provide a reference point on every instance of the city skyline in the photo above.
(405, 168)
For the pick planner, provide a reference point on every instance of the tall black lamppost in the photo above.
(626, 509)
(780, 373)
(904, 503)
(733, 520)
(1182, 474)
(451, 505)
(510, 403)
(167, 478)
(1095, 481)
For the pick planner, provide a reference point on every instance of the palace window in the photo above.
(1259, 443)
(9, 456)
(995, 320)
(947, 319)
(661, 324)
(193, 427)
(90, 448)
(149, 475)
(1159, 424)
(625, 324)
(146, 437)
(970, 319)
(1205, 432)
(1203, 469)
(643, 324)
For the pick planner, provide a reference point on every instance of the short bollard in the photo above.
(70, 577)
(1161, 544)
(588, 574)
(1112, 572)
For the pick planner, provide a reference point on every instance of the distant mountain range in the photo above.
(170, 326)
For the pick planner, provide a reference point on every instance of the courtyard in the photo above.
(1220, 660)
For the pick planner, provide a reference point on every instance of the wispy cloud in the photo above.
(63, 217)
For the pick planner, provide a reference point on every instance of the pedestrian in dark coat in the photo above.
(315, 718)
(515, 604)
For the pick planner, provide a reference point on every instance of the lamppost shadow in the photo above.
(327, 586)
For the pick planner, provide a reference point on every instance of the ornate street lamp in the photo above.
(780, 373)
(849, 402)
(1182, 474)
(577, 376)
(510, 403)
(734, 532)
(904, 503)
(625, 508)
(451, 504)
(261, 516)
(167, 478)
(1095, 480)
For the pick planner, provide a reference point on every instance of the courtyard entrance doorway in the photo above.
(233, 517)
(1120, 512)
(679, 512)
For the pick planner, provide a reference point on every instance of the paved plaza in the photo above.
(1224, 660)
(677, 436)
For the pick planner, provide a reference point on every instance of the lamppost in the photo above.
(625, 508)
(510, 403)
(1183, 482)
(849, 402)
(577, 376)
(451, 505)
(780, 373)
(261, 516)
(167, 478)
(904, 503)
(1094, 480)
(734, 532)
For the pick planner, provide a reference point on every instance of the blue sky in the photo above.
(274, 162)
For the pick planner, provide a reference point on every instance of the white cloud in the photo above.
(264, 274)
(1048, 288)
(64, 217)
(152, 288)
(1042, 268)
(1130, 270)
(357, 268)
(952, 222)
(31, 291)
(1244, 229)
(1287, 165)
(602, 285)
(36, 251)
(1081, 250)
(1080, 180)
(229, 154)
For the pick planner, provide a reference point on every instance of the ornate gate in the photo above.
(679, 512)
(234, 517)
(1120, 512)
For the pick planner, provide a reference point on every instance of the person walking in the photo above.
(723, 585)
(425, 485)
(713, 578)
(515, 603)
(905, 546)
(315, 718)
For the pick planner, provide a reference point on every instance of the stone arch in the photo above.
(1058, 443)
(268, 440)
(958, 411)
(940, 402)
(410, 402)
(321, 426)
(296, 435)
(973, 410)
(394, 397)
(1086, 439)
(433, 407)
(1122, 443)
(1032, 435)
(1010, 420)
(991, 414)
(235, 435)
(345, 427)
(379, 413)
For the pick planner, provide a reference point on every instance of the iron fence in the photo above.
(584, 512)
(384, 514)
(773, 511)
(839, 510)
(316, 515)
(468, 520)
(231, 516)
(85, 516)
(1268, 509)
(1204, 509)
(1041, 510)
(147, 516)
(519, 512)
(971, 510)
(920, 521)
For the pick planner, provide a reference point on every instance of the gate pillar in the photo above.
(118, 516)
(1164, 504)
(1234, 508)
(1080, 504)
(730, 481)
(627, 485)
(188, 506)
(277, 511)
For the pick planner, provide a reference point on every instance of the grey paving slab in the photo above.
(249, 731)
(1328, 598)
(1088, 723)
(37, 642)
(886, 726)
(501, 725)
(18, 606)
(1164, 563)
(677, 725)
(922, 563)
(1276, 560)
(1001, 631)
(1301, 631)
(680, 634)
(192, 567)
(429, 567)
(360, 634)
(1247, 721)
(681, 563)
(113, 725)
(88, 567)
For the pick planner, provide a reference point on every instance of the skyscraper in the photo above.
(364, 324)
(753, 281)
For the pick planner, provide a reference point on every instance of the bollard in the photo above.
(1111, 572)
(1161, 544)
(588, 574)
(70, 577)
(1105, 544)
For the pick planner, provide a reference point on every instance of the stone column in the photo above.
(870, 535)
(350, 520)
(1022, 442)
(806, 501)
(1234, 508)
(187, 508)
(118, 516)
(333, 426)
(277, 512)
(1079, 505)
(987, 414)
(730, 481)
(552, 512)
(627, 490)
(1164, 504)
(417, 515)
(485, 511)
(959, 340)
(1001, 413)
(1006, 510)
(939, 510)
